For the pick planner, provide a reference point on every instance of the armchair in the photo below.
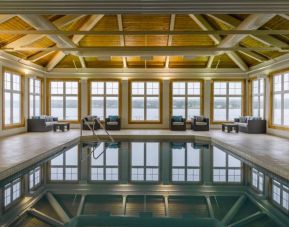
(90, 120)
(112, 123)
(178, 123)
(199, 123)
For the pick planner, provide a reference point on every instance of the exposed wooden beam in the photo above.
(266, 39)
(30, 38)
(44, 217)
(121, 37)
(253, 55)
(210, 62)
(38, 56)
(204, 25)
(234, 210)
(170, 38)
(88, 25)
(286, 16)
(237, 60)
(81, 205)
(189, 51)
(57, 208)
(4, 18)
(247, 219)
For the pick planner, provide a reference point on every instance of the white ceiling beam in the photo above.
(204, 25)
(286, 16)
(170, 38)
(210, 62)
(237, 60)
(253, 55)
(121, 37)
(88, 25)
(38, 56)
(4, 18)
(233, 22)
(31, 38)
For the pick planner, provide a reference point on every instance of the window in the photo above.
(280, 100)
(257, 180)
(65, 100)
(145, 101)
(35, 97)
(12, 192)
(186, 98)
(226, 168)
(280, 195)
(105, 162)
(34, 178)
(227, 100)
(145, 161)
(104, 98)
(64, 167)
(258, 92)
(13, 99)
(186, 163)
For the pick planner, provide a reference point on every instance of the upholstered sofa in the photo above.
(90, 121)
(41, 123)
(178, 123)
(112, 123)
(251, 125)
(199, 123)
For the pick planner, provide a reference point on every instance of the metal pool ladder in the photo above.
(83, 121)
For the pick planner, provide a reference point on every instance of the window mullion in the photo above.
(145, 101)
(227, 101)
(104, 101)
(186, 100)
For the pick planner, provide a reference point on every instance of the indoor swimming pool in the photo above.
(144, 183)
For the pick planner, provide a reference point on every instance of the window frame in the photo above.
(259, 175)
(186, 96)
(48, 104)
(282, 187)
(90, 95)
(259, 95)
(10, 186)
(34, 94)
(22, 92)
(271, 109)
(32, 172)
(243, 98)
(160, 96)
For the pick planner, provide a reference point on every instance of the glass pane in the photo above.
(255, 106)
(220, 109)
(7, 81)
(152, 88)
(277, 80)
(7, 108)
(71, 88)
(31, 105)
(235, 88)
(193, 107)
(37, 105)
(111, 106)
(178, 157)
(219, 158)
(71, 108)
(193, 156)
(112, 156)
(235, 107)
(233, 162)
(220, 88)
(57, 161)
(286, 109)
(71, 156)
(152, 108)
(194, 88)
(179, 106)
(137, 111)
(112, 88)
(16, 109)
(261, 106)
(179, 88)
(255, 87)
(37, 86)
(31, 85)
(57, 107)
(57, 87)
(262, 87)
(97, 88)
(97, 157)
(16, 83)
(152, 154)
(277, 109)
(137, 88)
(137, 154)
(97, 107)
(286, 82)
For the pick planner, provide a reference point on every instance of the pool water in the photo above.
(144, 183)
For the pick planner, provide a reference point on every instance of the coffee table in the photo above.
(230, 127)
(61, 126)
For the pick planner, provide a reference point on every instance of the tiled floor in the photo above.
(268, 151)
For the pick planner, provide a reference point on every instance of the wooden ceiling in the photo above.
(125, 23)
